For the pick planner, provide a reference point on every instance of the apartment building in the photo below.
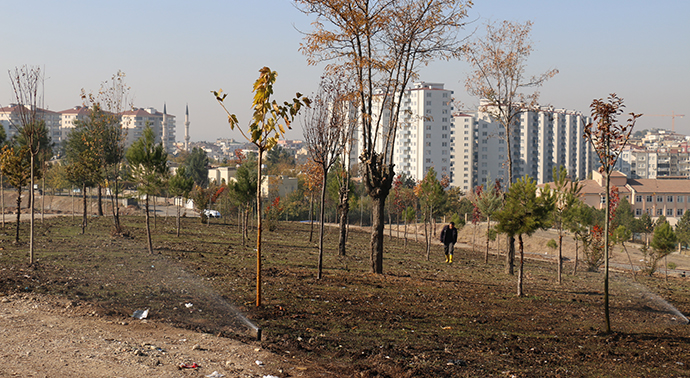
(163, 125)
(10, 120)
(651, 163)
(423, 137)
(69, 117)
(478, 151)
(541, 140)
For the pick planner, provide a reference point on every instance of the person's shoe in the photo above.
(447, 260)
(450, 259)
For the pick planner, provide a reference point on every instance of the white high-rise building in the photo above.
(478, 152)
(541, 140)
(423, 136)
(471, 147)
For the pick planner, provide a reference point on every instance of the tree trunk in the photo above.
(2, 198)
(19, 213)
(31, 209)
(427, 239)
(72, 196)
(178, 219)
(116, 206)
(510, 255)
(474, 236)
(521, 269)
(155, 214)
(488, 227)
(258, 231)
(378, 204)
(606, 253)
(322, 215)
(311, 217)
(560, 254)
(416, 228)
(344, 209)
(148, 226)
(84, 216)
(115, 209)
(405, 233)
(100, 200)
(43, 196)
(510, 241)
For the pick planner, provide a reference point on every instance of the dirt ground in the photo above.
(422, 318)
(45, 336)
(67, 338)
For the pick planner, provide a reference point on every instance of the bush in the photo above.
(273, 213)
(552, 244)
(593, 249)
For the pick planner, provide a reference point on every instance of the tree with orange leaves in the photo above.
(381, 45)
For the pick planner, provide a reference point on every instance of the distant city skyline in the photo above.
(176, 53)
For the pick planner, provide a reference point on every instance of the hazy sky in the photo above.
(176, 52)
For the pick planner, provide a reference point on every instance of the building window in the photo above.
(680, 198)
(669, 198)
(669, 212)
(638, 212)
(659, 198)
(659, 212)
(638, 198)
(649, 198)
(602, 199)
(679, 212)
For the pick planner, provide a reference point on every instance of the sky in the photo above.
(176, 52)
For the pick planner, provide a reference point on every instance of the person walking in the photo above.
(449, 236)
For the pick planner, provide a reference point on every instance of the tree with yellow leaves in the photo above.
(264, 131)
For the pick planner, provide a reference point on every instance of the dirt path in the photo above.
(535, 247)
(48, 337)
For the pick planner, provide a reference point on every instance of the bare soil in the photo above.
(70, 313)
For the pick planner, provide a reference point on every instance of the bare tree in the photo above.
(498, 79)
(347, 143)
(608, 138)
(26, 82)
(382, 44)
(322, 125)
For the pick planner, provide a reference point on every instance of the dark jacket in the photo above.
(449, 235)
